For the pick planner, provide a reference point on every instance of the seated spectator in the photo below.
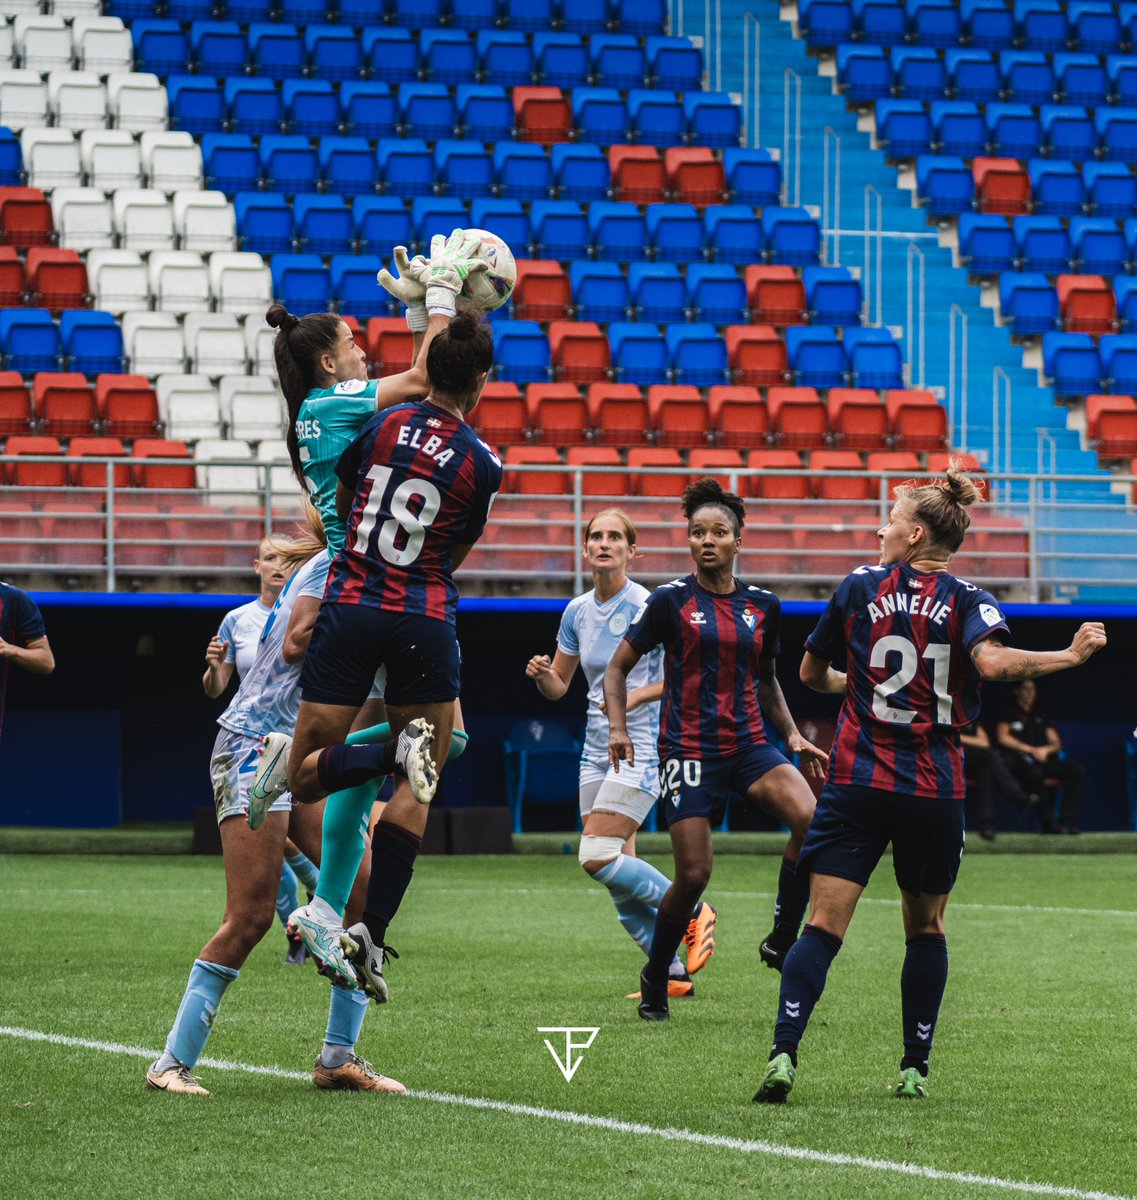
(988, 778)
(1032, 748)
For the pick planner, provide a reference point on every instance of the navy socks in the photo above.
(393, 854)
(341, 767)
(922, 983)
(803, 980)
(790, 905)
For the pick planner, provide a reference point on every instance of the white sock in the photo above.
(324, 911)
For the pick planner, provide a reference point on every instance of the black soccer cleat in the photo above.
(653, 998)
(773, 953)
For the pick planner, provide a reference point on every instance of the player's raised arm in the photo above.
(995, 660)
(620, 748)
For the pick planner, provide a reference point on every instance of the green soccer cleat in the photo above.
(912, 1085)
(778, 1081)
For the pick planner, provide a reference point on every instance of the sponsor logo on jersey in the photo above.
(697, 618)
(349, 387)
(990, 614)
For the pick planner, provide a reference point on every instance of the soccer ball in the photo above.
(491, 288)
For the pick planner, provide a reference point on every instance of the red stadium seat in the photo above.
(580, 352)
(757, 355)
(33, 473)
(57, 279)
(798, 419)
(599, 456)
(141, 535)
(618, 414)
(679, 415)
(161, 475)
(894, 467)
(542, 114)
(357, 331)
(534, 483)
(25, 218)
(739, 416)
(776, 295)
(13, 283)
(830, 487)
(858, 419)
(718, 464)
(500, 417)
(127, 406)
(917, 421)
(671, 485)
(557, 414)
(937, 464)
(1087, 303)
(638, 174)
(1000, 548)
(390, 345)
(542, 291)
(204, 538)
(1111, 425)
(76, 531)
(694, 175)
(94, 475)
(775, 487)
(16, 412)
(65, 403)
(1001, 186)
(22, 534)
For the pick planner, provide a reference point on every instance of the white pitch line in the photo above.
(611, 1125)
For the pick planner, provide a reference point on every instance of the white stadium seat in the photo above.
(76, 8)
(102, 44)
(51, 158)
(137, 101)
(166, 385)
(257, 416)
(171, 160)
(118, 281)
(179, 282)
(204, 221)
(42, 43)
(215, 345)
(112, 158)
(153, 342)
(77, 100)
(280, 476)
(7, 49)
(143, 219)
(12, 7)
(23, 100)
(234, 385)
(228, 485)
(241, 282)
(259, 339)
(192, 412)
(83, 218)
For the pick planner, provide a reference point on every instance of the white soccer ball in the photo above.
(491, 288)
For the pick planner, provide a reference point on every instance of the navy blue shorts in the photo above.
(853, 825)
(700, 787)
(352, 641)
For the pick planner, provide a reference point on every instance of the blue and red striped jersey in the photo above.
(423, 483)
(711, 648)
(907, 639)
(21, 623)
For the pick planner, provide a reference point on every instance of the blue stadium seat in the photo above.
(639, 353)
(752, 176)
(881, 22)
(599, 291)
(716, 293)
(189, 10)
(561, 60)
(29, 341)
(903, 128)
(436, 214)
(658, 292)
(218, 48)
(347, 166)
(253, 106)
(264, 222)
(675, 232)
(448, 55)
(1117, 133)
(832, 295)
(368, 109)
(1119, 362)
(973, 75)
(301, 282)
(507, 218)
(1081, 79)
(484, 111)
(230, 162)
(864, 73)
(988, 24)
(11, 157)
(417, 14)
(1056, 188)
(734, 234)
(475, 14)
(392, 53)
(1098, 246)
(1068, 132)
(405, 167)
(288, 163)
(307, 12)
(986, 243)
(1013, 131)
(816, 356)
(505, 57)
(1072, 362)
(645, 18)
(1095, 26)
(698, 355)
(463, 168)
(1028, 77)
(324, 225)
(825, 22)
(1111, 189)
(160, 46)
(521, 352)
(580, 172)
(560, 230)
(874, 359)
(600, 116)
(618, 60)
(618, 231)
(674, 63)
(918, 73)
(656, 118)
(584, 16)
(426, 110)
(276, 51)
(92, 341)
(1042, 244)
(1041, 24)
(1122, 72)
(792, 237)
(354, 289)
(196, 103)
(244, 11)
(713, 119)
(1028, 303)
(523, 171)
(1125, 289)
(934, 22)
(532, 15)
(945, 184)
(311, 107)
(333, 52)
(959, 128)
(380, 222)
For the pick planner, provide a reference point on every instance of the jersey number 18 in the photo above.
(412, 525)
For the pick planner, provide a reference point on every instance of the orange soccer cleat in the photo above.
(700, 937)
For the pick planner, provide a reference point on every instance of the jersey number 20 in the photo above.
(940, 657)
(413, 525)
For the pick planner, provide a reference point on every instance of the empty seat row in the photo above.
(1077, 365)
(947, 185)
(990, 244)
(1111, 425)
(61, 403)
(90, 42)
(48, 278)
(82, 100)
(110, 158)
(31, 341)
(1031, 304)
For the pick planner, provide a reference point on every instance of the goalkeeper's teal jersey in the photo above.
(326, 425)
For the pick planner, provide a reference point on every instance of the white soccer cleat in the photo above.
(368, 960)
(322, 940)
(412, 759)
(271, 779)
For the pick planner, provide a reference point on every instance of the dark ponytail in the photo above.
(459, 354)
(709, 492)
(297, 349)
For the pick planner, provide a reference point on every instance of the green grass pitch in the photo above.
(1033, 1086)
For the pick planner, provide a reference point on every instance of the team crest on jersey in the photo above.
(990, 614)
(749, 618)
(618, 625)
(697, 618)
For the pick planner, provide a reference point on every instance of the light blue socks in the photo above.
(636, 888)
(345, 1021)
(305, 869)
(196, 1013)
(287, 895)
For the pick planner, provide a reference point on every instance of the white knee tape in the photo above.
(599, 849)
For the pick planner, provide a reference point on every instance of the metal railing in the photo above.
(791, 137)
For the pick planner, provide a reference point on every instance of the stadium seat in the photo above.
(240, 282)
(484, 112)
(825, 23)
(713, 119)
(111, 159)
(143, 219)
(406, 167)
(1028, 303)
(986, 243)
(829, 486)
(204, 221)
(716, 293)
(1119, 362)
(816, 356)
(557, 414)
(675, 233)
(797, 418)
(29, 340)
(1057, 188)
(179, 281)
(500, 416)
(657, 293)
(94, 475)
(560, 229)
(579, 352)
(17, 414)
(698, 355)
(864, 73)
(757, 356)
(776, 295)
(1013, 131)
(347, 166)
(1041, 25)
(598, 483)
(637, 174)
(334, 52)
(657, 471)
(197, 104)
(543, 292)
(720, 464)
(13, 278)
(523, 172)
(118, 280)
(1001, 186)
(944, 184)
(534, 482)
(600, 115)
(1095, 27)
(389, 345)
(1081, 79)
(1098, 246)
(936, 23)
(230, 162)
(64, 404)
(102, 44)
(1117, 133)
(323, 224)
(673, 62)
(31, 473)
(1067, 132)
(791, 235)
(521, 352)
(916, 420)
(92, 341)
(617, 414)
(170, 160)
(679, 415)
(426, 110)
(353, 285)
(136, 101)
(1125, 292)
(656, 118)
(432, 215)
(253, 410)
(561, 59)
(161, 47)
(127, 406)
(1122, 72)
(917, 73)
(580, 172)
(77, 100)
(265, 222)
(752, 176)
(1111, 190)
(881, 22)
(903, 128)
(1028, 76)
(767, 486)
(893, 467)
(857, 419)
(275, 51)
(833, 296)
(508, 220)
(618, 60)
(1042, 244)
(505, 57)
(639, 353)
(51, 158)
(218, 48)
(215, 346)
(739, 417)
(1072, 363)
(312, 107)
(288, 163)
(695, 176)
(392, 54)
(733, 235)
(973, 75)
(1111, 425)
(541, 114)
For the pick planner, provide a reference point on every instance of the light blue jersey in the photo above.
(592, 631)
(268, 699)
(241, 627)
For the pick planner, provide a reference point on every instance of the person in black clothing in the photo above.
(1031, 746)
(23, 639)
(988, 778)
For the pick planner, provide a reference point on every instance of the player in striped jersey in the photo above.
(720, 641)
(916, 641)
